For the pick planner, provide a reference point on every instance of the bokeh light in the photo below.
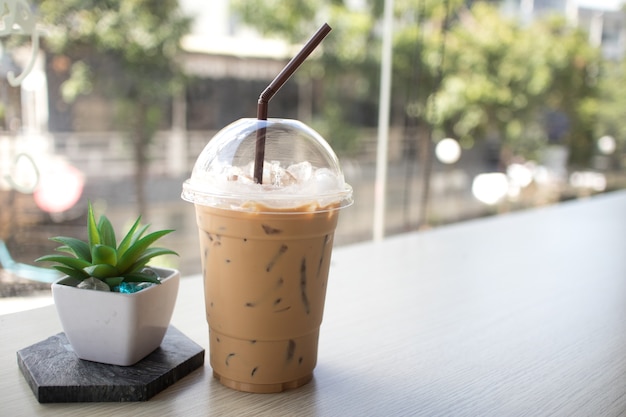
(607, 145)
(588, 180)
(490, 188)
(448, 151)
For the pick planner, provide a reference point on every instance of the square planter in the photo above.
(116, 328)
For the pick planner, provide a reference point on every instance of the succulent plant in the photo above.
(102, 258)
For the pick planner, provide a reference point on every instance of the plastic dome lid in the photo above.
(301, 171)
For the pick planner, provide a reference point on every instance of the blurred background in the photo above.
(494, 106)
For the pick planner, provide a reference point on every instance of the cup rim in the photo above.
(275, 203)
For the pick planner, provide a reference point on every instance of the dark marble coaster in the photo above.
(56, 374)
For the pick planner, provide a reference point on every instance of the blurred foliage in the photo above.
(611, 110)
(465, 71)
(348, 66)
(140, 38)
(125, 50)
(503, 78)
(288, 19)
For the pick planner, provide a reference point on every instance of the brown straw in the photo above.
(273, 88)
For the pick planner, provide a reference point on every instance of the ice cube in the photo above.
(301, 172)
(325, 181)
(276, 177)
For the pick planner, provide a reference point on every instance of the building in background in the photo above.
(602, 19)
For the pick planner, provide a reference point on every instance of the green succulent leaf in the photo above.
(99, 257)
(103, 254)
(138, 234)
(78, 274)
(75, 246)
(113, 281)
(68, 261)
(65, 249)
(133, 253)
(92, 228)
(102, 271)
(141, 277)
(147, 255)
(107, 234)
(128, 239)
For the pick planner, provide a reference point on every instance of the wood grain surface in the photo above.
(522, 314)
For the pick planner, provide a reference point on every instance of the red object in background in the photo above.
(60, 187)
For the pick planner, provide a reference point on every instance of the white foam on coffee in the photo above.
(297, 185)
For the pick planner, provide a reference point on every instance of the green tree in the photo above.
(347, 66)
(611, 104)
(574, 88)
(350, 64)
(127, 51)
(463, 71)
(502, 78)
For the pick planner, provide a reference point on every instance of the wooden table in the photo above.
(520, 314)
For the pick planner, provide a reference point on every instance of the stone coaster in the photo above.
(56, 374)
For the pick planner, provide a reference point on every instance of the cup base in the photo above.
(263, 388)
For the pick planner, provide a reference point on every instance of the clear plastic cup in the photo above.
(266, 249)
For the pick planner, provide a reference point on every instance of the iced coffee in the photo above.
(266, 251)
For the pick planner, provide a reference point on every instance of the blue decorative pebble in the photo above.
(132, 287)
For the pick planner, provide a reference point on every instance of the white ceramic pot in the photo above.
(116, 328)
